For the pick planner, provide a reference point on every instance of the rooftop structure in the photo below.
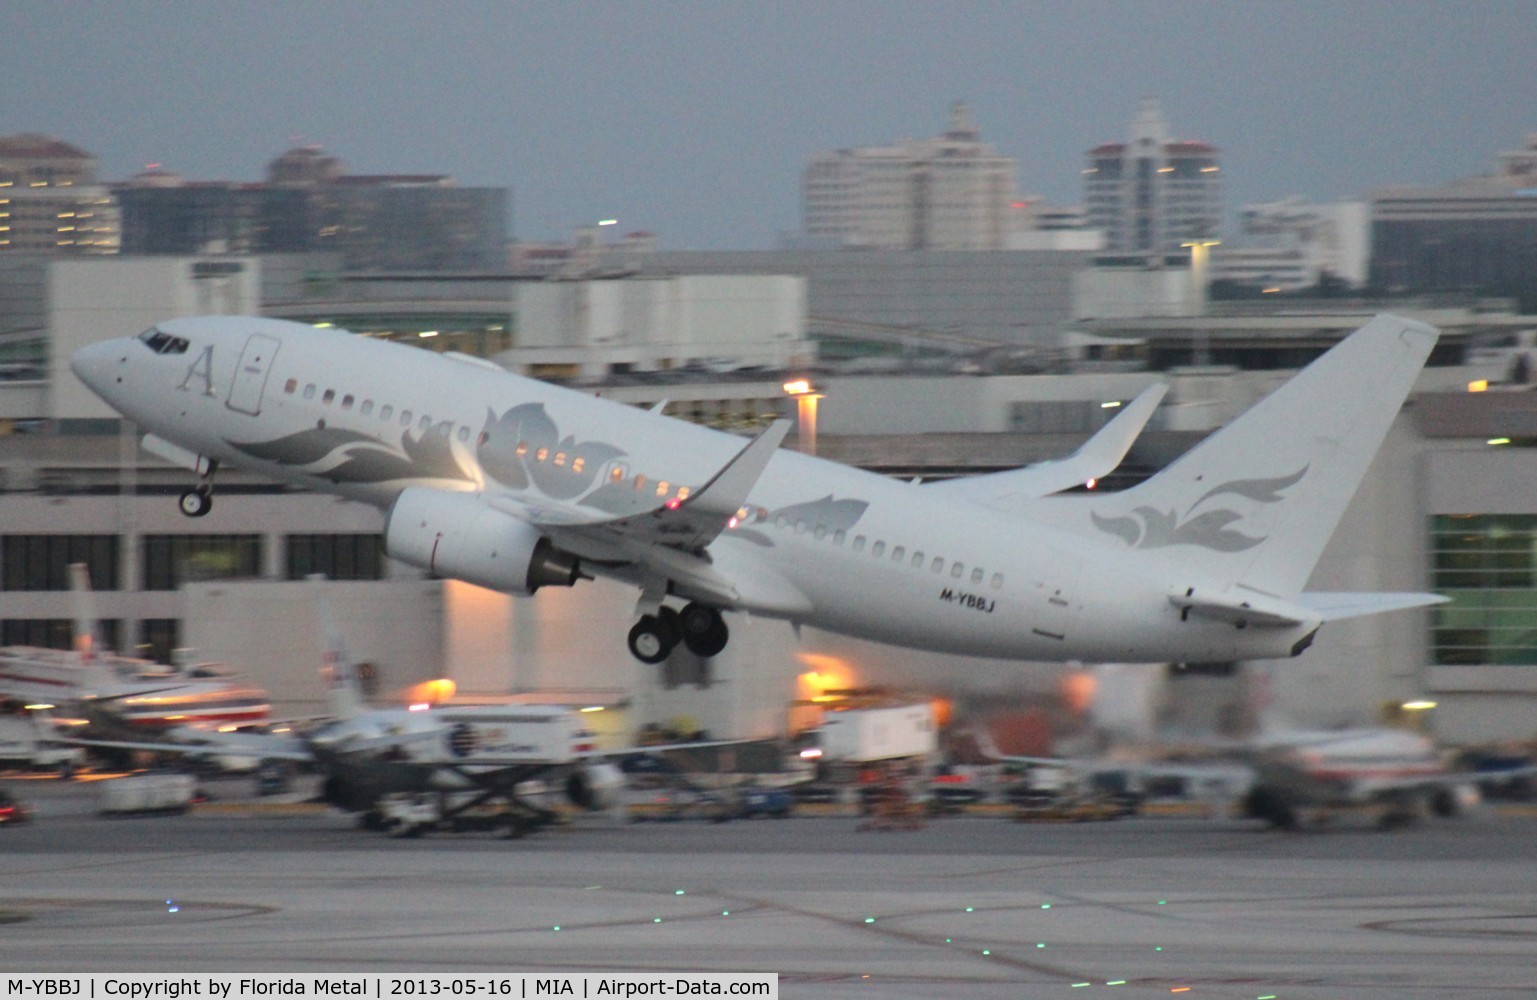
(50, 202)
(951, 192)
(1151, 193)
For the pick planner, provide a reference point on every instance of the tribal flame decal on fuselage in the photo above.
(363, 459)
(1151, 528)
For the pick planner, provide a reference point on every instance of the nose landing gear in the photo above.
(699, 627)
(198, 501)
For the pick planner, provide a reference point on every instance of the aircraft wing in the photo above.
(668, 541)
(276, 749)
(688, 524)
(1097, 457)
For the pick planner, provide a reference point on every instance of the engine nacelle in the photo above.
(595, 787)
(1454, 800)
(456, 535)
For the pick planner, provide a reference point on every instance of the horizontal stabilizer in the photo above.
(1096, 458)
(1255, 609)
(1334, 606)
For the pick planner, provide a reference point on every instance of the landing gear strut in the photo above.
(699, 627)
(198, 501)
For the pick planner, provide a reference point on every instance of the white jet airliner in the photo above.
(515, 484)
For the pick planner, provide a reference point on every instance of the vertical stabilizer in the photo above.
(337, 669)
(1255, 503)
(85, 642)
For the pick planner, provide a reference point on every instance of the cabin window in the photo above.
(683, 492)
(541, 454)
(977, 575)
(762, 514)
(521, 449)
(347, 401)
(899, 553)
(577, 464)
(405, 418)
(938, 565)
(800, 527)
(878, 549)
(330, 395)
(997, 581)
(780, 520)
(957, 571)
(616, 474)
(560, 459)
(291, 385)
(640, 481)
(820, 532)
(661, 488)
(367, 408)
(425, 424)
(839, 536)
(917, 560)
(464, 435)
(386, 412)
(859, 543)
(309, 391)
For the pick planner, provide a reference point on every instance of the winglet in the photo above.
(697, 521)
(1097, 457)
(727, 490)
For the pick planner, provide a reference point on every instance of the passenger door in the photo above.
(245, 393)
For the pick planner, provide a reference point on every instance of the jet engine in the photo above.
(1454, 800)
(595, 787)
(456, 535)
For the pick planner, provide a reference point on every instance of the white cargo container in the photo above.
(148, 793)
(862, 735)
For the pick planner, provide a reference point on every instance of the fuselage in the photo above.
(846, 550)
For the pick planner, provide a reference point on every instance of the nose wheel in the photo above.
(700, 628)
(198, 501)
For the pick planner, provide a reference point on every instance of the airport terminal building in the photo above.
(1447, 506)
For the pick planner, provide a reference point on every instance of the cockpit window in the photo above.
(163, 343)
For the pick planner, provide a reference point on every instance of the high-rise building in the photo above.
(1150, 194)
(394, 222)
(951, 192)
(1475, 235)
(50, 202)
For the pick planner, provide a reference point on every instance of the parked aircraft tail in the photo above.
(337, 669)
(1255, 503)
(91, 654)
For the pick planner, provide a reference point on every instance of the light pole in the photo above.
(805, 396)
(1200, 265)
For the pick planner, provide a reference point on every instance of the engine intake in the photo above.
(456, 535)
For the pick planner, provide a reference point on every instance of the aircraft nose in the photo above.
(95, 364)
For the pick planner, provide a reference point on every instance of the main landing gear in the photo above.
(198, 501)
(699, 627)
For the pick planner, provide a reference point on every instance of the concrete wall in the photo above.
(271, 632)
(661, 322)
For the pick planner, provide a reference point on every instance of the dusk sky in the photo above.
(694, 120)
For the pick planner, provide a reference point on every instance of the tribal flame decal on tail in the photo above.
(1151, 528)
